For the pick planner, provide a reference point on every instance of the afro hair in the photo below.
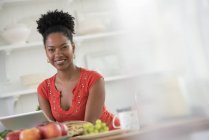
(55, 18)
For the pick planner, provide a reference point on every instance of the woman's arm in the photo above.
(45, 106)
(95, 101)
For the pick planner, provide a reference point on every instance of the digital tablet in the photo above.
(24, 120)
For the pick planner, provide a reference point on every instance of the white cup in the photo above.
(128, 119)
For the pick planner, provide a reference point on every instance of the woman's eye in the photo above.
(65, 46)
(51, 50)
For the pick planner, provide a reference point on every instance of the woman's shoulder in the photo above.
(47, 81)
(44, 86)
(91, 73)
(90, 77)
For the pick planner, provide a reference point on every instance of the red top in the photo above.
(80, 92)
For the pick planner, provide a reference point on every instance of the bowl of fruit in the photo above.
(61, 131)
(50, 130)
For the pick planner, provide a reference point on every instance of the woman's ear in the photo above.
(46, 55)
(73, 45)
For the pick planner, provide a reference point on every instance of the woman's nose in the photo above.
(57, 51)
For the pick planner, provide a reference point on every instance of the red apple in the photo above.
(50, 130)
(14, 135)
(30, 134)
(64, 129)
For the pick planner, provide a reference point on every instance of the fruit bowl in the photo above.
(16, 34)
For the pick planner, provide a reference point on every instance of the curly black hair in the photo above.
(56, 21)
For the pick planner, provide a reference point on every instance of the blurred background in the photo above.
(154, 54)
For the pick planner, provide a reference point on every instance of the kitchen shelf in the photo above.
(19, 46)
(107, 79)
(18, 93)
(131, 76)
(12, 1)
(33, 90)
(98, 35)
(78, 39)
(120, 77)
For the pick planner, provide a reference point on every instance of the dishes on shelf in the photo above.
(90, 24)
(89, 27)
(16, 34)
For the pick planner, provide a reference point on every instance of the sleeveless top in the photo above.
(80, 93)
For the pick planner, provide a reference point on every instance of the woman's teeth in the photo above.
(60, 62)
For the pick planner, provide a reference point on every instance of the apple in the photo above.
(14, 135)
(64, 129)
(30, 134)
(50, 130)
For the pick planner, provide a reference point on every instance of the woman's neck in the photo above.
(68, 75)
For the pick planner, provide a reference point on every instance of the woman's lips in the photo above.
(60, 62)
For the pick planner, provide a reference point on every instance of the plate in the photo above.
(75, 122)
(100, 135)
(60, 138)
(75, 128)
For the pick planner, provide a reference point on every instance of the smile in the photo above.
(60, 62)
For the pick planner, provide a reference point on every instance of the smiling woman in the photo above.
(57, 44)
(73, 93)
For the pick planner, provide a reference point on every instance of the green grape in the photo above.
(106, 129)
(85, 126)
(104, 125)
(98, 121)
(90, 125)
(90, 129)
(85, 132)
(94, 129)
(98, 126)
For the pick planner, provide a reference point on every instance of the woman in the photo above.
(73, 93)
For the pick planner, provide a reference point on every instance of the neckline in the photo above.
(70, 109)
(54, 78)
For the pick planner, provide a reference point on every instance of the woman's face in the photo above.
(59, 51)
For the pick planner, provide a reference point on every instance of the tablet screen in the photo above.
(24, 120)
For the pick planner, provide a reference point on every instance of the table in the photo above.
(171, 130)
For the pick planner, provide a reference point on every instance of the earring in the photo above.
(47, 60)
